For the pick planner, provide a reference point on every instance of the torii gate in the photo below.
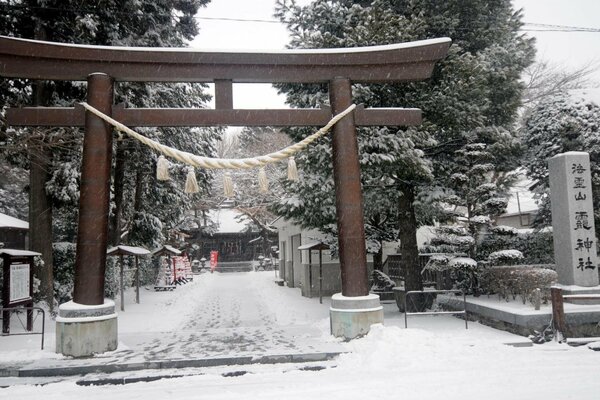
(101, 66)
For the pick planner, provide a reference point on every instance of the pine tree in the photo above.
(405, 171)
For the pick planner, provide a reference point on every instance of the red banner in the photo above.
(214, 258)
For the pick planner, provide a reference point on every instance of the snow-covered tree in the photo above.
(479, 176)
(560, 124)
(405, 171)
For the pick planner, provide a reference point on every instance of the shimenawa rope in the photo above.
(222, 163)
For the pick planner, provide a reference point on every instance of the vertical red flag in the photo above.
(214, 258)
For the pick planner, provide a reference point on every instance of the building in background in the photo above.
(13, 232)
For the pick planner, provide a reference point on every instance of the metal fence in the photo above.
(395, 268)
(8, 311)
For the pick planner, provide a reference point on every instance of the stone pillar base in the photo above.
(82, 330)
(352, 317)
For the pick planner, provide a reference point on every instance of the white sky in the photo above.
(571, 49)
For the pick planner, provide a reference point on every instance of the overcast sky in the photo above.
(571, 49)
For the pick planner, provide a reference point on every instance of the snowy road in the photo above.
(236, 314)
(246, 313)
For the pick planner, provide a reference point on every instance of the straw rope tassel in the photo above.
(227, 185)
(191, 184)
(263, 183)
(162, 169)
(292, 171)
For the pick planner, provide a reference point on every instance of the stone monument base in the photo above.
(352, 317)
(82, 330)
(574, 290)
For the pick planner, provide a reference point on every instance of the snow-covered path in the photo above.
(220, 315)
(235, 314)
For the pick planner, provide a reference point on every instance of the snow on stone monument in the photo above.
(573, 219)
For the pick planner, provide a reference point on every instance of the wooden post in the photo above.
(558, 314)
(6, 294)
(172, 261)
(92, 231)
(348, 194)
(310, 280)
(30, 304)
(320, 276)
(137, 281)
(122, 286)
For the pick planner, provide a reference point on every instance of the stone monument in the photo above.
(573, 222)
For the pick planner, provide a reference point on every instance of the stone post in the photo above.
(573, 219)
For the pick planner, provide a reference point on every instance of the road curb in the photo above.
(167, 364)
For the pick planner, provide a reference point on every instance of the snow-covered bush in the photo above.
(518, 280)
(505, 257)
(536, 247)
(504, 230)
(437, 263)
(111, 278)
(463, 271)
(381, 282)
(64, 271)
(450, 239)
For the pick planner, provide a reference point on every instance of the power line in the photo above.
(270, 21)
(527, 26)
(557, 28)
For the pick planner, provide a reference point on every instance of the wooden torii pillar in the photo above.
(103, 66)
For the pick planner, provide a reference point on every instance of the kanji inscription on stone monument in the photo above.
(573, 219)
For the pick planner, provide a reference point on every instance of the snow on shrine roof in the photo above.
(6, 221)
(526, 201)
(229, 220)
(19, 253)
(128, 250)
(168, 249)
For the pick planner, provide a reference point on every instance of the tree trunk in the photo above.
(139, 187)
(40, 205)
(114, 236)
(408, 239)
(378, 259)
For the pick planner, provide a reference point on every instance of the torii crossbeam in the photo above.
(101, 66)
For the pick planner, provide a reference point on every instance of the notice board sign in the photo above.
(19, 282)
(17, 285)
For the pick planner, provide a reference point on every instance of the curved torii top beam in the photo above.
(32, 59)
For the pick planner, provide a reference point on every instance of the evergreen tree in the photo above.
(53, 156)
(405, 172)
(557, 125)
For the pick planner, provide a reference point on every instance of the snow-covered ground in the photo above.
(246, 313)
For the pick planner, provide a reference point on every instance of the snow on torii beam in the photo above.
(101, 66)
(68, 62)
(378, 64)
